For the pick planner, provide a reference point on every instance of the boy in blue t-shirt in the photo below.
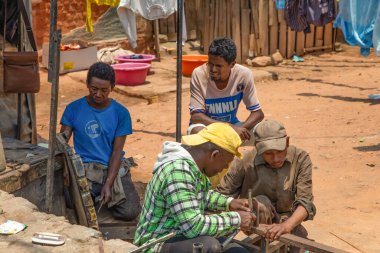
(100, 126)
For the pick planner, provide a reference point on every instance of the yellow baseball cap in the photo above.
(221, 134)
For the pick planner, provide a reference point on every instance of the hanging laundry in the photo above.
(280, 4)
(112, 3)
(148, 9)
(360, 23)
(299, 14)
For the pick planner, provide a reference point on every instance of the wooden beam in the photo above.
(236, 36)
(301, 242)
(291, 43)
(273, 22)
(245, 17)
(263, 26)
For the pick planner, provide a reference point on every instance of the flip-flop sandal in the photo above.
(48, 239)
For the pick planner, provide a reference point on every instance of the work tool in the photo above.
(153, 242)
(229, 239)
(255, 211)
(101, 205)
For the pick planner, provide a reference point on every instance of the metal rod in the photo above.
(179, 70)
(157, 39)
(53, 122)
(158, 240)
(53, 28)
(229, 239)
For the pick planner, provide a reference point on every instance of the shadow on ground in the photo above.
(346, 99)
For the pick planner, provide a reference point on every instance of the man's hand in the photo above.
(242, 132)
(247, 220)
(239, 205)
(106, 193)
(274, 231)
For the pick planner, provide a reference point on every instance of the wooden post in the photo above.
(228, 21)
(327, 38)
(216, 19)
(273, 23)
(212, 20)
(236, 29)
(206, 30)
(283, 29)
(310, 37)
(291, 43)
(157, 39)
(318, 36)
(263, 26)
(300, 43)
(3, 163)
(245, 17)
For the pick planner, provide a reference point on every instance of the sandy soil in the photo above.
(324, 105)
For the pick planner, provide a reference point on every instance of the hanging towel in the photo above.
(360, 23)
(112, 3)
(148, 9)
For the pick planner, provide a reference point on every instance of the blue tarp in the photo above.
(360, 23)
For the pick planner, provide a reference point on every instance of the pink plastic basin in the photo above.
(147, 58)
(130, 74)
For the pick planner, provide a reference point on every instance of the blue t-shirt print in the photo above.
(95, 130)
(224, 109)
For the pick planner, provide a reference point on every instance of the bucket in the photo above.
(130, 74)
(140, 58)
(190, 62)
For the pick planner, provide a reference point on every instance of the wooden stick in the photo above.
(263, 26)
(355, 247)
(301, 242)
(245, 17)
(236, 29)
(3, 163)
(273, 22)
(216, 19)
(206, 25)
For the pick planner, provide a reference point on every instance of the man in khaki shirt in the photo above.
(280, 177)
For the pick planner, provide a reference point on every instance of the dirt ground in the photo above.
(323, 103)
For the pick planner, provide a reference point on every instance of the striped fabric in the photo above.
(300, 13)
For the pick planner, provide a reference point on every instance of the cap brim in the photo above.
(193, 140)
(274, 144)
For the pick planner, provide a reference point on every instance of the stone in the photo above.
(262, 61)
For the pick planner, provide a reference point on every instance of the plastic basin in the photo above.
(190, 62)
(147, 58)
(130, 74)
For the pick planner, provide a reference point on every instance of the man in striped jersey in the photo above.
(217, 88)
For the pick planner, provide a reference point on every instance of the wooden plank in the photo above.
(199, 8)
(171, 24)
(263, 26)
(216, 19)
(291, 43)
(252, 46)
(318, 36)
(164, 26)
(328, 34)
(245, 18)
(223, 13)
(301, 242)
(300, 44)
(212, 20)
(310, 37)
(282, 35)
(228, 19)
(191, 17)
(273, 22)
(244, 4)
(236, 29)
(206, 30)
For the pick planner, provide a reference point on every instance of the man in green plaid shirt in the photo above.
(178, 195)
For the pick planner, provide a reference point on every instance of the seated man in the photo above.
(178, 195)
(100, 126)
(217, 88)
(280, 177)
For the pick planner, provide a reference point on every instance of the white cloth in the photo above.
(148, 9)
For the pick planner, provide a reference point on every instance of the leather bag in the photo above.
(21, 69)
